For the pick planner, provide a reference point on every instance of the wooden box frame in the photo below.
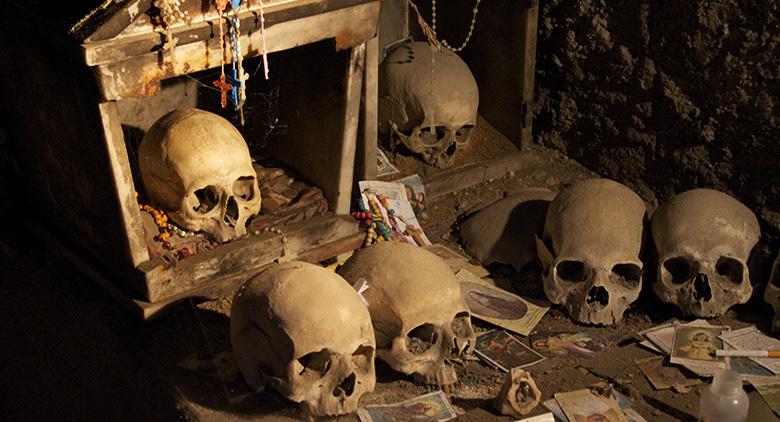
(66, 136)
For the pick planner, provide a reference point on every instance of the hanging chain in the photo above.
(444, 42)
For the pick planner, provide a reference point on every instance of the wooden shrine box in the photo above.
(77, 73)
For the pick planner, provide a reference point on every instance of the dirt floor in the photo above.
(71, 353)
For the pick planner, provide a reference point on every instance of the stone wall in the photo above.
(666, 96)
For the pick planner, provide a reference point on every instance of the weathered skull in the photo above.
(307, 332)
(419, 315)
(196, 166)
(704, 239)
(590, 250)
(428, 101)
(772, 292)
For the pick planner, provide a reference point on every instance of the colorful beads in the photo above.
(161, 220)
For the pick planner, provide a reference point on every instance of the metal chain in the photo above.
(444, 42)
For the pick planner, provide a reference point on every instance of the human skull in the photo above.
(428, 101)
(590, 249)
(420, 318)
(704, 239)
(196, 166)
(307, 332)
(772, 292)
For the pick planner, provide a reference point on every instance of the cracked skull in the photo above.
(420, 318)
(428, 101)
(704, 239)
(772, 293)
(590, 250)
(304, 330)
(196, 166)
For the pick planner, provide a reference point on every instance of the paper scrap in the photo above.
(431, 407)
(498, 306)
(750, 338)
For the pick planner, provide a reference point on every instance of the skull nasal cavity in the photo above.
(347, 386)
(598, 295)
(421, 338)
(701, 288)
(231, 212)
(572, 271)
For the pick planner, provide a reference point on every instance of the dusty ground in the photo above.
(70, 352)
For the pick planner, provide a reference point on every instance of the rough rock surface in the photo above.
(666, 96)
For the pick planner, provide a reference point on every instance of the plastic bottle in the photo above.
(724, 400)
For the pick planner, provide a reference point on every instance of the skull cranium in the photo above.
(590, 250)
(197, 166)
(704, 239)
(420, 318)
(428, 100)
(307, 332)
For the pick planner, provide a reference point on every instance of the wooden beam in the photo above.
(240, 256)
(140, 75)
(123, 182)
(367, 138)
(529, 26)
(353, 92)
(467, 175)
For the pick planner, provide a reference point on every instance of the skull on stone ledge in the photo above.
(593, 235)
(704, 239)
(428, 101)
(196, 166)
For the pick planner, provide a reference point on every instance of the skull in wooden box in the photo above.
(419, 315)
(590, 250)
(196, 165)
(704, 239)
(428, 101)
(306, 332)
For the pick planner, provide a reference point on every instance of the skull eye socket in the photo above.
(421, 338)
(428, 138)
(244, 188)
(208, 199)
(462, 135)
(315, 364)
(361, 358)
(572, 271)
(730, 268)
(680, 269)
(460, 324)
(629, 274)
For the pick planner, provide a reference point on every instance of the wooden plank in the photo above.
(467, 175)
(122, 177)
(367, 149)
(341, 204)
(393, 23)
(529, 24)
(226, 286)
(113, 25)
(240, 256)
(141, 75)
(212, 289)
(145, 38)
